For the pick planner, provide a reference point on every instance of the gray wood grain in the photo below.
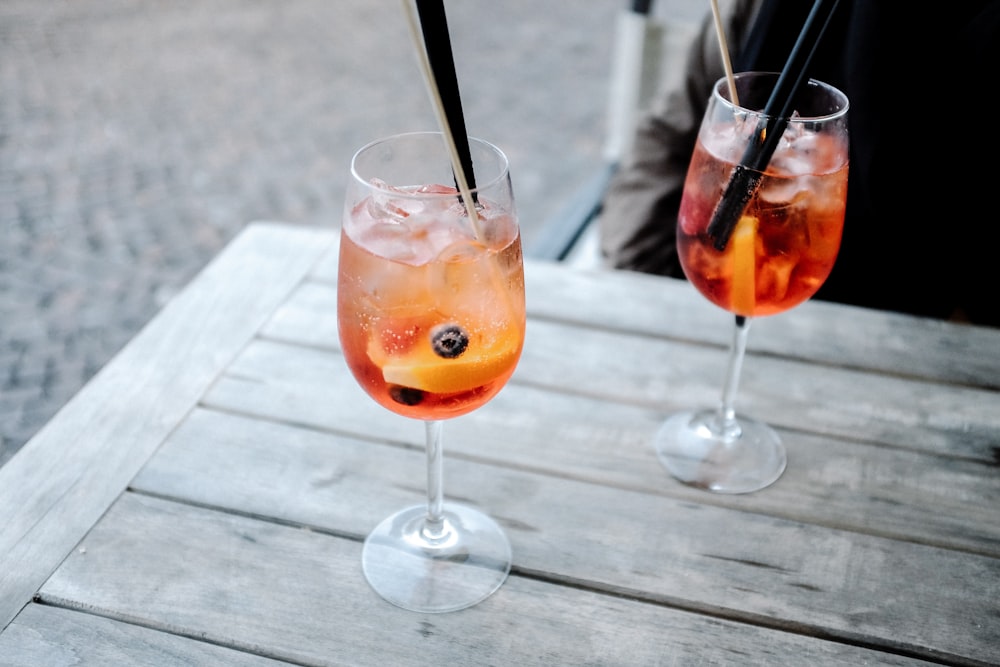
(739, 564)
(239, 582)
(818, 331)
(43, 636)
(886, 490)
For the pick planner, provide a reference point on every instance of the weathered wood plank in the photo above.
(818, 331)
(885, 409)
(727, 562)
(69, 473)
(238, 582)
(43, 636)
(948, 502)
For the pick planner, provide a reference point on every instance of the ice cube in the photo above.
(462, 250)
(797, 152)
(442, 236)
(726, 142)
(775, 274)
(437, 189)
(796, 157)
(792, 165)
(383, 205)
(426, 235)
(784, 191)
(391, 240)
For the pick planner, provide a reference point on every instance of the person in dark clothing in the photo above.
(922, 196)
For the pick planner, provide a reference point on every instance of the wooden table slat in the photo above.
(728, 562)
(158, 580)
(919, 496)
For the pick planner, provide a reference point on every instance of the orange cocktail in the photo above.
(430, 308)
(786, 242)
(758, 232)
(431, 317)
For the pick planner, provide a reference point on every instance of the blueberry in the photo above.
(449, 340)
(406, 395)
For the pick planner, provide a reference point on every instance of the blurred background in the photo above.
(137, 137)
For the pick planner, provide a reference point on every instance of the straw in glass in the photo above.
(727, 63)
(747, 175)
(435, 43)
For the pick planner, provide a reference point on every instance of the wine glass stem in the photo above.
(727, 407)
(434, 527)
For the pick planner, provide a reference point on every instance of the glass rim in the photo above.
(721, 91)
(480, 187)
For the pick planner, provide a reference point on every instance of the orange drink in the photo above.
(786, 242)
(758, 232)
(431, 317)
(430, 309)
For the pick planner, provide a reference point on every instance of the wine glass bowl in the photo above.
(431, 318)
(779, 252)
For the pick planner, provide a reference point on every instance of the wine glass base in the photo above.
(744, 459)
(436, 567)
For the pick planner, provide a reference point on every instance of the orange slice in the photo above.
(422, 369)
(744, 262)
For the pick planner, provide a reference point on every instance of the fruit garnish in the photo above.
(406, 395)
(424, 369)
(449, 341)
(744, 242)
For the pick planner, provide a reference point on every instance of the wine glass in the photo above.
(778, 253)
(430, 308)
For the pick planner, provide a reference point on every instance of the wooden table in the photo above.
(203, 500)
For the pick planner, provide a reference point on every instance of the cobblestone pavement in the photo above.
(138, 137)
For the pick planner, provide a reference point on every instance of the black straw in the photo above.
(746, 177)
(434, 26)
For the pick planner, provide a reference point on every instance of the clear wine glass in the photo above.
(779, 252)
(430, 307)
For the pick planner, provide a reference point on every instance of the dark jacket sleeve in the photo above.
(639, 212)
